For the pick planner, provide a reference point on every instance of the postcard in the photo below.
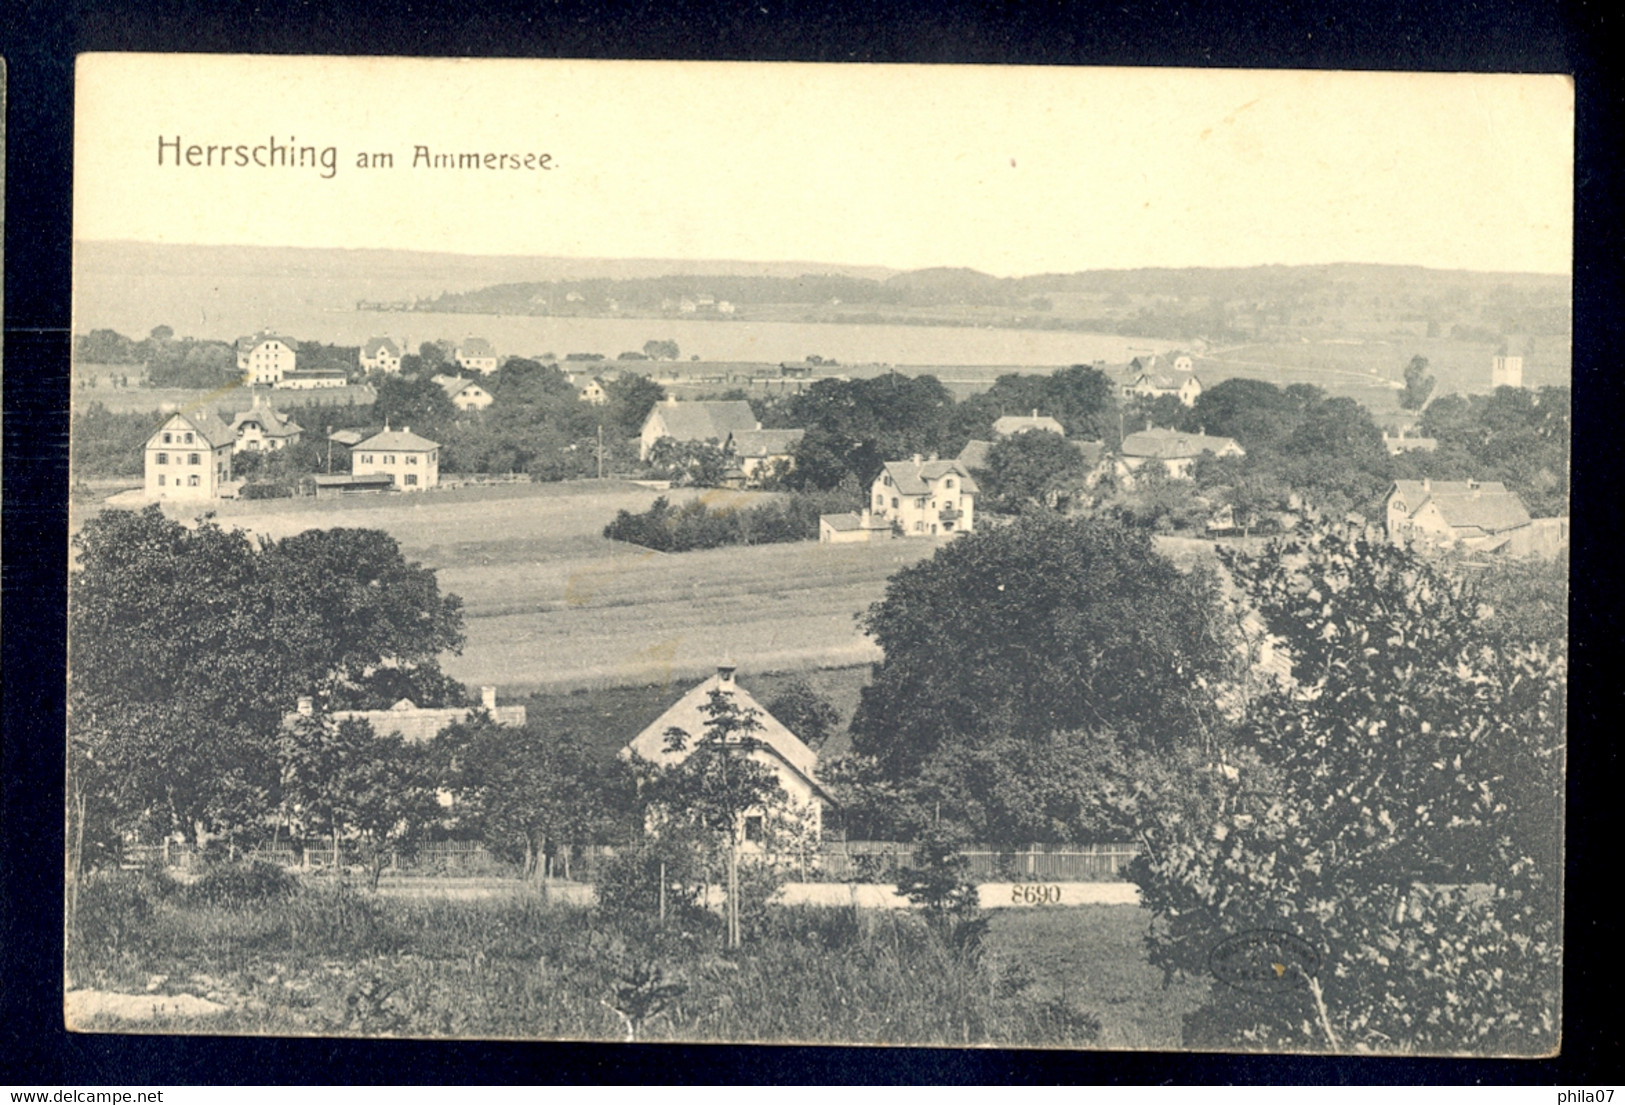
(844, 554)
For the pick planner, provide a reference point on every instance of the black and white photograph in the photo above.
(760, 553)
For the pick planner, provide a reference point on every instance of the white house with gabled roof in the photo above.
(411, 462)
(189, 457)
(264, 358)
(773, 746)
(924, 498)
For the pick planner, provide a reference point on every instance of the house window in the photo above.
(880, 501)
(163, 458)
(169, 439)
(191, 481)
(894, 502)
(411, 479)
(160, 479)
(411, 458)
(192, 458)
(188, 439)
(919, 527)
(920, 502)
(886, 480)
(389, 458)
(948, 482)
(753, 828)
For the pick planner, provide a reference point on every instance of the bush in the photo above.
(628, 883)
(241, 884)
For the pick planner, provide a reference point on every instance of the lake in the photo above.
(305, 305)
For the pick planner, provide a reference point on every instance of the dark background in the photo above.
(39, 41)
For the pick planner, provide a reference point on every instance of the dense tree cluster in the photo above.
(696, 525)
(1518, 436)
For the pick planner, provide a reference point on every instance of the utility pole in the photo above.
(600, 450)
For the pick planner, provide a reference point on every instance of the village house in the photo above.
(189, 457)
(1176, 452)
(924, 498)
(419, 724)
(1401, 444)
(261, 428)
(590, 390)
(774, 746)
(265, 358)
(711, 420)
(380, 355)
(411, 462)
(1021, 424)
(1152, 376)
(757, 453)
(465, 394)
(1479, 515)
(476, 354)
(852, 527)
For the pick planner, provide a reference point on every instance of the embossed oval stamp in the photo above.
(1264, 961)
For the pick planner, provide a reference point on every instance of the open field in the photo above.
(341, 961)
(551, 603)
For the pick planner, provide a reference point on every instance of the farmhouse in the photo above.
(380, 355)
(1151, 376)
(924, 498)
(700, 421)
(189, 457)
(411, 462)
(477, 354)
(465, 394)
(592, 391)
(420, 724)
(774, 746)
(1176, 452)
(1020, 424)
(1402, 444)
(759, 452)
(852, 527)
(1478, 515)
(264, 358)
(261, 428)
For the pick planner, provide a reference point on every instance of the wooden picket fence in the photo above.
(872, 861)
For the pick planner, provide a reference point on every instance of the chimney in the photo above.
(725, 672)
(307, 707)
(758, 425)
(1035, 412)
(488, 697)
(1427, 486)
(406, 429)
(917, 460)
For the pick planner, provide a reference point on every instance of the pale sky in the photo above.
(1011, 170)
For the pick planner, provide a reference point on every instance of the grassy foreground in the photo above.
(334, 960)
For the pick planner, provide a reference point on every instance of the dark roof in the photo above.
(476, 347)
(842, 522)
(1173, 445)
(974, 454)
(349, 437)
(207, 425)
(705, 421)
(252, 341)
(455, 385)
(272, 422)
(365, 479)
(764, 443)
(402, 441)
(910, 478)
(370, 350)
(1489, 511)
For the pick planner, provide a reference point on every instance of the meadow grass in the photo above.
(336, 960)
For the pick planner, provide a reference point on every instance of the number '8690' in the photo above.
(1027, 893)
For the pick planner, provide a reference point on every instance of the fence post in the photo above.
(304, 858)
(166, 852)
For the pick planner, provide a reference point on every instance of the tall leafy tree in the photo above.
(1044, 626)
(1396, 809)
(1032, 470)
(187, 645)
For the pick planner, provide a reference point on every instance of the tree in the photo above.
(661, 350)
(339, 779)
(187, 645)
(1035, 470)
(527, 794)
(806, 713)
(1418, 384)
(418, 401)
(1395, 811)
(1047, 625)
(716, 784)
(630, 398)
